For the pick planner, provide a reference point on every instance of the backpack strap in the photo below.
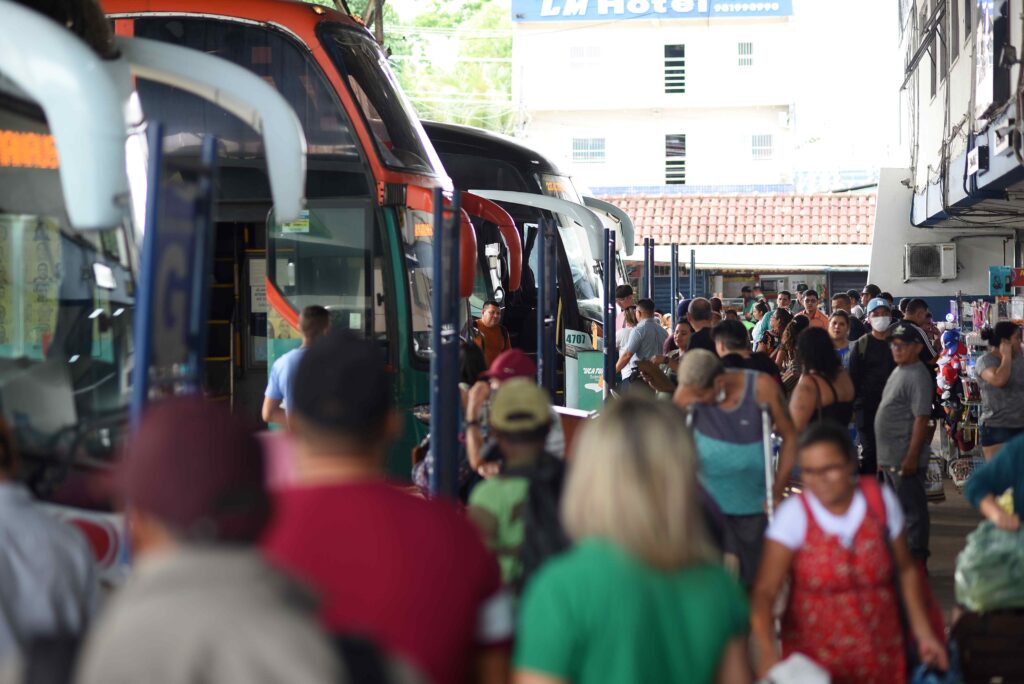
(873, 495)
(363, 660)
(862, 345)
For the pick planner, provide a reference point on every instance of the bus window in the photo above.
(331, 258)
(585, 274)
(66, 298)
(418, 241)
(335, 164)
(396, 130)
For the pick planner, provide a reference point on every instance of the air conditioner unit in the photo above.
(936, 261)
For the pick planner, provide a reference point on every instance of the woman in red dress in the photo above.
(842, 546)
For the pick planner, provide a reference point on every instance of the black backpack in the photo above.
(543, 535)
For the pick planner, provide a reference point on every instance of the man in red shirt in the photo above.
(411, 574)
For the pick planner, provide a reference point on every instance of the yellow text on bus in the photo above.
(27, 150)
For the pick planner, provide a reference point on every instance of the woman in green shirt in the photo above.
(640, 597)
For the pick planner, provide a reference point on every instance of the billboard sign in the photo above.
(611, 10)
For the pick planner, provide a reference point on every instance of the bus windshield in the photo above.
(66, 303)
(397, 133)
(586, 272)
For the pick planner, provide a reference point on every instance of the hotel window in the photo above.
(931, 62)
(588, 150)
(675, 159)
(584, 55)
(675, 69)
(746, 54)
(954, 29)
(761, 146)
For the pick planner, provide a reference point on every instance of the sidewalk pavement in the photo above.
(951, 522)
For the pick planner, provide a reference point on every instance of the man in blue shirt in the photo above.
(645, 342)
(314, 322)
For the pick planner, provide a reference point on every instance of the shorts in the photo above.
(990, 435)
(744, 538)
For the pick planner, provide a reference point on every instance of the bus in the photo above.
(73, 184)
(363, 247)
(529, 186)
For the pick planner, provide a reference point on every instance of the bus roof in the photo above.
(469, 140)
(299, 17)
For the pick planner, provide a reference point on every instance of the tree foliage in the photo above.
(455, 62)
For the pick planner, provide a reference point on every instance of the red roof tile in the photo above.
(819, 219)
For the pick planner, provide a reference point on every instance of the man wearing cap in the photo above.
(901, 431)
(871, 363)
(645, 342)
(48, 575)
(500, 506)
(511, 364)
(798, 306)
(410, 573)
(202, 604)
(725, 409)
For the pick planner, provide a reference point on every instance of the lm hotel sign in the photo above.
(604, 10)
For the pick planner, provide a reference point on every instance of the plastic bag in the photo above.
(990, 569)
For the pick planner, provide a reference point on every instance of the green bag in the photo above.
(990, 569)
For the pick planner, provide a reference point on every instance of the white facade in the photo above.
(607, 81)
(975, 250)
(933, 197)
(822, 82)
(930, 131)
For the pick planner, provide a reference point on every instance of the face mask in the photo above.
(880, 323)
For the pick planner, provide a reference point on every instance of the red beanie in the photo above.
(199, 470)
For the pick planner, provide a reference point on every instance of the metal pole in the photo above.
(610, 356)
(547, 301)
(673, 287)
(647, 283)
(202, 268)
(145, 295)
(769, 460)
(693, 273)
(444, 363)
(542, 299)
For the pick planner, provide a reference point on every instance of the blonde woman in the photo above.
(638, 598)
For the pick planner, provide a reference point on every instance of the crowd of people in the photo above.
(665, 545)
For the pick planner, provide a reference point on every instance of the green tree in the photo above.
(455, 63)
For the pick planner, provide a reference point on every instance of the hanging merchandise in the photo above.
(960, 394)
